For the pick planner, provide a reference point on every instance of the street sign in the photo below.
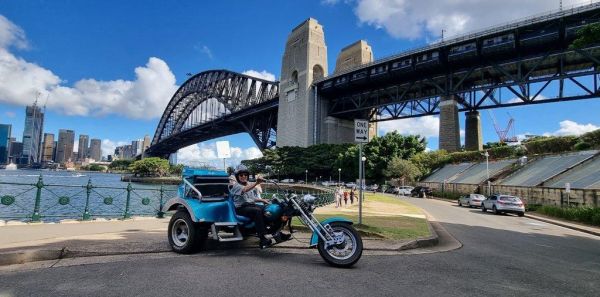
(223, 150)
(361, 131)
(568, 187)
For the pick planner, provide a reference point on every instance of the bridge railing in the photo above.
(324, 196)
(51, 202)
(544, 16)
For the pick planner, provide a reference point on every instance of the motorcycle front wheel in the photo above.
(346, 253)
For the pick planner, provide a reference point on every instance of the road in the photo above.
(500, 256)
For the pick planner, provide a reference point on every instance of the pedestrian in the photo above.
(351, 196)
(338, 198)
(346, 198)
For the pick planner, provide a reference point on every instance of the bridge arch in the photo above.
(210, 98)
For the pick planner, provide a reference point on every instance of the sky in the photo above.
(108, 68)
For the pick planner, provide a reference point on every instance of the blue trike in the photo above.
(205, 210)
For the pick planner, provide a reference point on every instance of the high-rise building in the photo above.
(48, 148)
(82, 151)
(5, 130)
(146, 143)
(32, 135)
(16, 151)
(96, 149)
(137, 147)
(64, 148)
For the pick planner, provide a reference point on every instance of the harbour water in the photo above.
(65, 195)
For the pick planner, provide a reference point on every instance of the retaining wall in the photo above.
(531, 195)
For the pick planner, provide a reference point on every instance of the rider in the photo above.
(244, 198)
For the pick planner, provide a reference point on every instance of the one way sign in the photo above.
(361, 131)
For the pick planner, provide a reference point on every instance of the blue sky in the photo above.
(110, 67)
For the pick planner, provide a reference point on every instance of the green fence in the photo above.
(38, 201)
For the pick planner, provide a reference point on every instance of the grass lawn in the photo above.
(383, 216)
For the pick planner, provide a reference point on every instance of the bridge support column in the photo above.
(473, 137)
(449, 125)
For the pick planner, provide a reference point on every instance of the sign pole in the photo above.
(361, 135)
(360, 182)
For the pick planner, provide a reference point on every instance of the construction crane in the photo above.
(503, 134)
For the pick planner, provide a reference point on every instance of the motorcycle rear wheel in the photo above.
(345, 254)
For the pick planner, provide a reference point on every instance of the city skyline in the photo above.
(126, 78)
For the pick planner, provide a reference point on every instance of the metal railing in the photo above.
(38, 201)
(324, 196)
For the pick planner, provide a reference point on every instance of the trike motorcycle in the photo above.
(205, 210)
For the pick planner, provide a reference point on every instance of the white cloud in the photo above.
(11, 35)
(262, 74)
(206, 154)
(204, 50)
(568, 127)
(143, 98)
(427, 126)
(415, 19)
(10, 114)
(108, 146)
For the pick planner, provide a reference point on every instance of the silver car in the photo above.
(504, 204)
(471, 200)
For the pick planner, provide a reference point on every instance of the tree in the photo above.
(428, 161)
(586, 36)
(176, 169)
(150, 167)
(402, 169)
(381, 150)
(120, 164)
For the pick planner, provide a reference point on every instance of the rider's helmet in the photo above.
(240, 169)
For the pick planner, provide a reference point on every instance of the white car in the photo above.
(404, 190)
(350, 185)
(471, 200)
(504, 203)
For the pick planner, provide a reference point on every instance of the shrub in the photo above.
(501, 152)
(582, 146)
(459, 157)
(551, 145)
(588, 215)
(592, 138)
(150, 167)
(447, 195)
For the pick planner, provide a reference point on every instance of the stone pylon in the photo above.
(304, 61)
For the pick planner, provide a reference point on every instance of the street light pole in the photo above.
(487, 170)
(360, 181)
(339, 176)
(306, 176)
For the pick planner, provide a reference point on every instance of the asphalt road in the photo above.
(500, 256)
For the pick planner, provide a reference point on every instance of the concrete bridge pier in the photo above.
(449, 125)
(473, 136)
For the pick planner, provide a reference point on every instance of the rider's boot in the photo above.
(281, 237)
(265, 243)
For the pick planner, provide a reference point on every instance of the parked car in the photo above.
(504, 204)
(287, 180)
(471, 200)
(350, 185)
(420, 191)
(300, 182)
(372, 187)
(404, 190)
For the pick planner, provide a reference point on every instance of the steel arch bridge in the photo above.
(218, 103)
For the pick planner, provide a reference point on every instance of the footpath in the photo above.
(28, 242)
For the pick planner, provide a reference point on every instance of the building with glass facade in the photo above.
(5, 131)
